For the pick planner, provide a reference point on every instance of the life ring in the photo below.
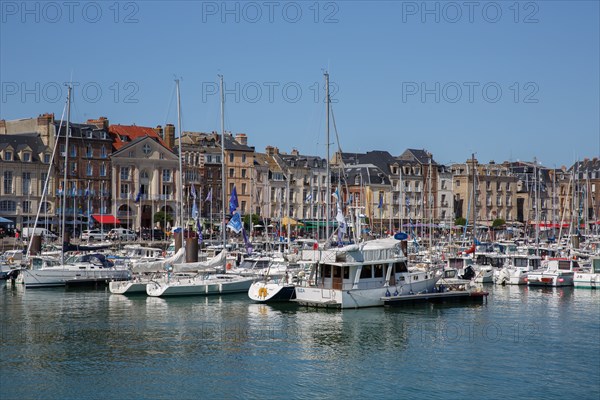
(262, 292)
(10, 260)
(228, 266)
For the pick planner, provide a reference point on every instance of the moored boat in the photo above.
(556, 272)
(361, 275)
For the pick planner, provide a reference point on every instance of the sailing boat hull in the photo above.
(271, 292)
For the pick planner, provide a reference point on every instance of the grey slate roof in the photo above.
(21, 141)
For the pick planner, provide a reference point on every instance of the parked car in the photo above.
(44, 233)
(153, 234)
(94, 234)
(121, 234)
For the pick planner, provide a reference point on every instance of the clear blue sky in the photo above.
(406, 74)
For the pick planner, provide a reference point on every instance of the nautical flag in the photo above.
(209, 195)
(193, 191)
(235, 223)
(194, 210)
(199, 227)
(87, 191)
(139, 195)
(233, 201)
(380, 201)
(308, 198)
(249, 248)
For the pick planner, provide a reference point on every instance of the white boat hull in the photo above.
(264, 292)
(128, 287)
(59, 276)
(511, 276)
(358, 298)
(550, 279)
(587, 280)
(214, 284)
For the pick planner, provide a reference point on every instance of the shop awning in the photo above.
(106, 219)
(5, 221)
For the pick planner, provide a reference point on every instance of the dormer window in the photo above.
(26, 157)
(90, 134)
(46, 158)
(8, 156)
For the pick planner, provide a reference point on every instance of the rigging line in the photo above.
(169, 106)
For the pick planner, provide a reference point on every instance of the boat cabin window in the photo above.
(337, 272)
(534, 263)
(379, 271)
(453, 263)
(366, 272)
(400, 267)
(327, 271)
(565, 264)
(346, 273)
(520, 262)
(596, 265)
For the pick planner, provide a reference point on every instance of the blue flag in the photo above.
(380, 201)
(139, 195)
(235, 223)
(194, 210)
(249, 248)
(199, 227)
(233, 201)
(193, 191)
(209, 195)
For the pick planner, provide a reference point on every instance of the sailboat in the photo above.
(187, 278)
(78, 269)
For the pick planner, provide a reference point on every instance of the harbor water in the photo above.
(88, 344)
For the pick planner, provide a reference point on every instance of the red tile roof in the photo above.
(132, 132)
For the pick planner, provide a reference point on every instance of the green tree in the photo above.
(460, 221)
(498, 222)
(161, 216)
(255, 220)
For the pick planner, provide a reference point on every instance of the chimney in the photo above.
(2, 127)
(242, 139)
(169, 137)
(295, 152)
(276, 150)
(45, 127)
(159, 131)
(101, 123)
(270, 150)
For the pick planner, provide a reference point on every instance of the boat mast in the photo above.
(180, 161)
(474, 198)
(64, 191)
(537, 209)
(223, 189)
(328, 189)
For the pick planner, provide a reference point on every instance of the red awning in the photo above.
(106, 219)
